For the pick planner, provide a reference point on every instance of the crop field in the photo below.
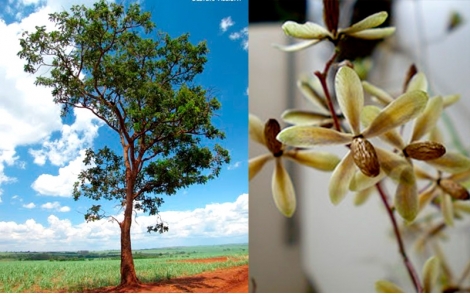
(80, 275)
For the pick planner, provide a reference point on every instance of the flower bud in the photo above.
(271, 129)
(424, 150)
(454, 189)
(365, 157)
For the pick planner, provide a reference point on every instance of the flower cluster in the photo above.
(282, 188)
(394, 141)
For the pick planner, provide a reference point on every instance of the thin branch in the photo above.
(322, 76)
(409, 266)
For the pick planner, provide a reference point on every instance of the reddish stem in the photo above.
(322, 76)
(409, 266)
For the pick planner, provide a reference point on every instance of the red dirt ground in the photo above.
(228, 280)
(203, 260)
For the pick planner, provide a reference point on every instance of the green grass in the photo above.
(77, 276)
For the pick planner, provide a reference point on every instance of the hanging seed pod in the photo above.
(424, 150)
(271, 129)
(365, 157)
(454, 189)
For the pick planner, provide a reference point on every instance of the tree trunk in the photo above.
(128, 275)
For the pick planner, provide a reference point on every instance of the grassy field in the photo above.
(79, 275)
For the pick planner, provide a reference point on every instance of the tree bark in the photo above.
(128, 275)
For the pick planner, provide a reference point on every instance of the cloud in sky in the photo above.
(75, 137)
(27, 113)
(62, 183)
(218, 221)
(55, 206)
(241, 35)
(226, 23)
(234, 165)
(30, 205)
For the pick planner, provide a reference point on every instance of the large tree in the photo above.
(108, 59)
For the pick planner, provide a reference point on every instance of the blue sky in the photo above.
(41, 153)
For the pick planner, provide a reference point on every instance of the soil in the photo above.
(227, 280)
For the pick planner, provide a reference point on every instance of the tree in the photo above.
(109, 60)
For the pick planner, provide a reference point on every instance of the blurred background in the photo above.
(326, 248)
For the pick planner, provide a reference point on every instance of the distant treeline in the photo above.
(63, 256)
(176, 252)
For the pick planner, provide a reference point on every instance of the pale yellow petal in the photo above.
(256, 129)
(383, 286)
(462, 206)
(350, 96)
(374, 34)
(406, 201)
(340, 178)
(431, 271)
(418, 82)
(447, 209)
(451, 162)
(400, 111)
(361, 182)
(450, 99)
(420, 173)
(308, 30)
(320, 160)
(311, 89)
(382, 96)
(301, 117)
(395, 166)
(296, 46)
(371, 21)
(460, 177)
(362, 196)
(427, 196)
(427, 120)
(369, 113)
(308, 136)
(256, 164)
(435, 135)
(283, 190)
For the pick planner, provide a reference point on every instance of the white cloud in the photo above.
(55, 206)
(75, 137)
(241, 36)
(235, 165)
(61, 184)
(226, 23)
(218, 221)
(28, 114)
(29, 205)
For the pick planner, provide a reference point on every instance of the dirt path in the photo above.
(228, 280)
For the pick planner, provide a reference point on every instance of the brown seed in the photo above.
(271, 129)
(454, 189)
(424, 150)
(364, 157)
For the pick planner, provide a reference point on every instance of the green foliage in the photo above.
(109, 60)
